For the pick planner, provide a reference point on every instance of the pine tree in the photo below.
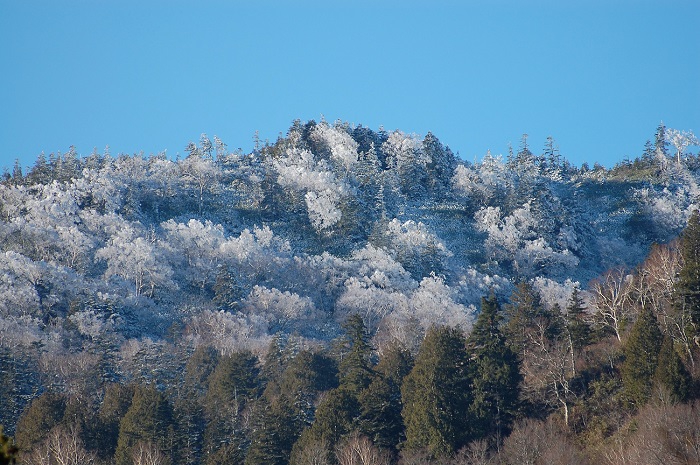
(641, 358)
(436, 394)
(232, 385)
(672, 374)
(45, 412)
(494, 374)
(149, 419)
(687, 287)
(336, 416)
(275, 434)
(577, 330)
(355, 366)
(660, 142)
(115, 403)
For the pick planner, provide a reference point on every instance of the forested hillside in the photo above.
(348, 295)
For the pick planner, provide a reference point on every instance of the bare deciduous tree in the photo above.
(359, 450)
(612, 300)
(147, 453)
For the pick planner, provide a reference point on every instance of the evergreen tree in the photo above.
(641, 358)
(199, 368)
(672, 374)
(660, 142)
(115, 403)
(648, 154)
(40, 173)
(307, 375)
(336, 416)
(45, 412)
(234, 382)
(274, 436)
(235, 379)
(380, 414)
(149, 419)
(380, 403)
(227, 290)
(441, 168)
(687, 288)
(494, 374)
(525, 317)
(355, 365)
(577, 330)
(17, 176)
(436, 394)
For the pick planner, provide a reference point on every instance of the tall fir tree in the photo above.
(494, 374)
(355, 365)
(149, 419)
(578, 332)
(641, 358)
(274, 435)
(45, 412)
(436, 394)
(660, 142)
(672, 374)
(687, 288)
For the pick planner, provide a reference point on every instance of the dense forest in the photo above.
(344, 295)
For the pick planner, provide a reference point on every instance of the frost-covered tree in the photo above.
(136, 259)
(680, 140)
(202, 174)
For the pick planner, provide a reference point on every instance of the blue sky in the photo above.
(150, 76)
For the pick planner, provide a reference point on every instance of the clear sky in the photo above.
(150, 76)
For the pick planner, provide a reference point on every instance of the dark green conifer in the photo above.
(234, 382)
(672, 374)
(578, 331)
(436, 394)
(494, 374)
(115, 403)
(355, 365)
(149, 419)
(641, 358)
(274, 436)
(688, 285)
(45, 412)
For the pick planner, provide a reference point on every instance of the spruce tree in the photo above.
(45, 412)
(115, 403)
(660, 142)
(355, 366)
(149, 419)
(274, 436)
(687, 287)
(672, 374)
(577, 330)
(380, 404)
(641, 358)
(436, 394)
(494, 374)
(232, 385)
